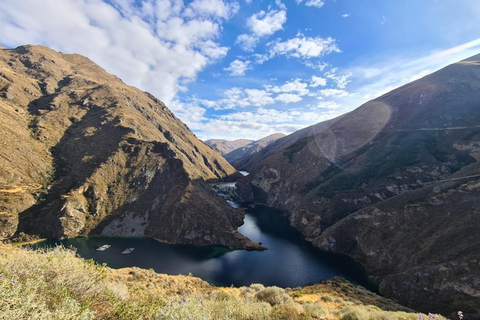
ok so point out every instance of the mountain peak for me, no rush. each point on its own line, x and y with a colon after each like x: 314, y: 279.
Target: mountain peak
x: 85, y: 153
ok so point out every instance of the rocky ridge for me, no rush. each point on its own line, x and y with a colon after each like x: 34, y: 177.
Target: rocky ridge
x: 344, y: 184
x: 83, y: 153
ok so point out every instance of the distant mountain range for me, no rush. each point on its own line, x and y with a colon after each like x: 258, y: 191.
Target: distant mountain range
x: 226, y: 146
x: 82, y: 153
x: 241, y: 149
x: 395, y: 184
x: 239, y: 158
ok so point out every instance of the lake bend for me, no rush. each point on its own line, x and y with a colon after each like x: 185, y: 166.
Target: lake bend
x: 290, y: 261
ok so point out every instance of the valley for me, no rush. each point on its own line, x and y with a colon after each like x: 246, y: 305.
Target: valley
x: 388, y: 192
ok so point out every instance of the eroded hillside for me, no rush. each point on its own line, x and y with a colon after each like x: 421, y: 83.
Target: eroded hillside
x: 84, y: 153
x: 420, y: 249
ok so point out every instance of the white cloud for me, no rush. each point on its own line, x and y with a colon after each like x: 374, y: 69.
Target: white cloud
x: 238, y: 67
x: 369, y: 80
x: 295, y: 85
x: 334, y: 93
x: 247, y: 42
x: 332, y: 105
x: 315, y: 3
x: 259, y: 98
x: 260, y: 58
x: 267, y: 23
x: 346, y: 15
x: 379, y: 76
x: 288, y: 98
x: 211, y: 8
x: 316, y: 66
x: 290, y: 92
x: 262, y: 24
x: 157, y: 46
x: 318, y: 81
x: 312, y: 3
x: 190, y: 113
x: 341, y: 80
x: 262, y: 122
x: 304, y: 47
x: 421, y: 74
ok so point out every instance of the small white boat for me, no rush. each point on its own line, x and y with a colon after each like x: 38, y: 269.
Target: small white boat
x: 104, y: 247
x: 128, y: 250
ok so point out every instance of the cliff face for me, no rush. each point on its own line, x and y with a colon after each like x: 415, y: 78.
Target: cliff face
x: 83, y: 153
x: 422, y: 246
x: 422, y: 133
x: 239, y: 158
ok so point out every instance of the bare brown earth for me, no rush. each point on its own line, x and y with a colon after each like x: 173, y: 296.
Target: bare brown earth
x: 226, y: 146
x: 376, y: 184
x: 83, y: 153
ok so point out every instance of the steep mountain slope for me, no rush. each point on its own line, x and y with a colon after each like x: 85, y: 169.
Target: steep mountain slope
x: 226, y: 146
x: 424, y: 132
x: 84, y: 153
x: 240, y: 156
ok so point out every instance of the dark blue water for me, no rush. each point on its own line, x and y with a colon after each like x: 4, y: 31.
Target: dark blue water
x: 290, y: 261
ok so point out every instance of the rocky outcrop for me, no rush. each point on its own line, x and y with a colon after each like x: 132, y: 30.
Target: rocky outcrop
x: 421, y: 246
x: 334, y: 178
x: 84, y: 153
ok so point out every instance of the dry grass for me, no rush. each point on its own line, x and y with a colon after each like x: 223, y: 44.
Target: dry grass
x: 57, y: 284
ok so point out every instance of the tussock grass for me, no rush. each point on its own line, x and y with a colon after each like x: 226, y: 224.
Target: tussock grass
x: 57, y: 284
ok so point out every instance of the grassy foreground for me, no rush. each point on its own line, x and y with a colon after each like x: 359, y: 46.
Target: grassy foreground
x: 57, y: 284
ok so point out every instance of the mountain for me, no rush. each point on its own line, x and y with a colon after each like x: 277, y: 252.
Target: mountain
x: 240, y: 156
x: 226, y: 146
x: 395, y: 184
x: 83, y: 153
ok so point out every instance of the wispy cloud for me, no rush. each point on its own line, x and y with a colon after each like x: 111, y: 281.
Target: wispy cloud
x: 303, y: 47
x: 261, y: 25
x: 238, y: 67
x: 312, y: 3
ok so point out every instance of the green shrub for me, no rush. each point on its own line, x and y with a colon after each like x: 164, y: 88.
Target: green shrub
x: 382, y: 316
x: 198, y: 308
x: 257, y: 286
x: 353, y: 313
x: 274, y: 296
x: 327, y: 298
x: 286, y: 312
x: 315, y: 310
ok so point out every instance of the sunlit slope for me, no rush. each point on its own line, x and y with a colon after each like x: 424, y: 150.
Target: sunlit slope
x: 84, y: 153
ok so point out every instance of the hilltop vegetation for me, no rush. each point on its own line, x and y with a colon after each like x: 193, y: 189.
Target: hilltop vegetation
x: 57, y: 284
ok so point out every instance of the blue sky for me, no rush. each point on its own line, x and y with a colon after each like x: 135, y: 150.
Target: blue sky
x: 247, y: 69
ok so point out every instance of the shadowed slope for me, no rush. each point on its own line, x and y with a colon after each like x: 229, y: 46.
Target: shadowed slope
x: 422, y: 133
